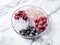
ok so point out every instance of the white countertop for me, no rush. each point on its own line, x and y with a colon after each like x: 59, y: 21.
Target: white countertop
x: 9, y: 37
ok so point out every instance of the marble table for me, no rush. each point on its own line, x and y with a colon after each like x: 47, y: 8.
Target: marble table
x: 9, y: 37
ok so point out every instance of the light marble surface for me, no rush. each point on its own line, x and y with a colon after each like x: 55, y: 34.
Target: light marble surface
x: 9, y: 37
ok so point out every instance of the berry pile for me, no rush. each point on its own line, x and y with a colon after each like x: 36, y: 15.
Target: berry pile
x: 21, y: 14
x: 41, y: 23
x: 29, y: 32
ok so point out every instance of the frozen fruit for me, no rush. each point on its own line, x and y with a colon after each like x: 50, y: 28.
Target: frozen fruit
x: 41, y: 30
x: 21, y: 14
x: 36, y: 24
x: 36, y: 20
x: 32, y: 31
x: 21, y: 11
x: 16, y: 17
x: 16, y: 13
x: 30, y: 34
x: 24, y: 14
x: 39, y: 26
x: 41, y: 23
x: 45, y: 25
x: 31, y: 27
x: 25, y: 18
x: 41, y: 18
x: 45, y: 18
x: 44, y: 21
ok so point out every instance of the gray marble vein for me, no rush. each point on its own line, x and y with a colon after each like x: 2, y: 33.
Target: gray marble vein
x: 10, y: 37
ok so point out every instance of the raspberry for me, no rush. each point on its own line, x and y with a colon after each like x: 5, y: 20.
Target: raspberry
x: 21, y: 14
x: 16, y: 17
x: 45, y: 25
x: 24, y: 14
x: 25, y: 18
x: 44, y: 21
x: 36, y: 24
x: 16, y: 13
x: 40, y: 22
x: 21, y: 11
x: 41, y: 18
x: 36, y: 20
x: 39, y: 27
x: 45, y: 18
x: 41, y: 30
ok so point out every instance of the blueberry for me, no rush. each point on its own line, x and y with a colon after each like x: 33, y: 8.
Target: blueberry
x: 25, y: 34
x: 30, y: 35
x: 31, y: 27
x: 36, y: 33
x: 21, y: 31
x: 34, y: 28
x: 30, y: 31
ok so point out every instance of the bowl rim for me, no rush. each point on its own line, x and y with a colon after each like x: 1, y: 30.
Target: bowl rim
x: 19, y: 33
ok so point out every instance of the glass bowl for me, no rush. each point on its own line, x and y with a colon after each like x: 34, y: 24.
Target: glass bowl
x: 29, y: 21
